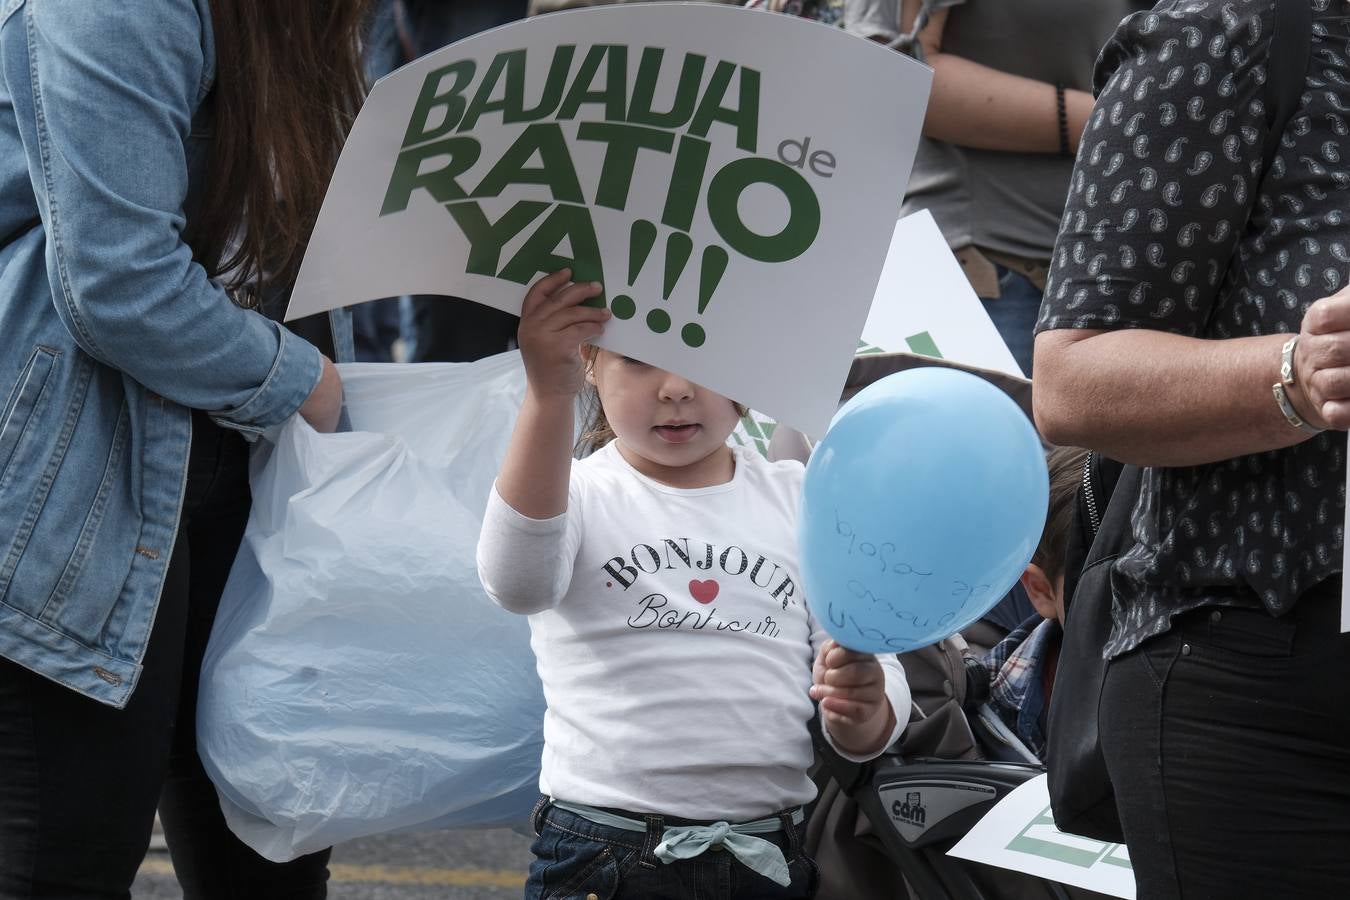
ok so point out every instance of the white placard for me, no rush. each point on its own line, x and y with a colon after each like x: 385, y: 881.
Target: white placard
x: 924, y: 303
x: 1020, y: 834
x: 732, y: 176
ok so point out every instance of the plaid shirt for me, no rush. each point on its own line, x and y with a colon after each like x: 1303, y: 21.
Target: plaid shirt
x: 1016, y: 685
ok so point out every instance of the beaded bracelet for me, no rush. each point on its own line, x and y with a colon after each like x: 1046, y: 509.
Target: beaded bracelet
x: 1062, y: 111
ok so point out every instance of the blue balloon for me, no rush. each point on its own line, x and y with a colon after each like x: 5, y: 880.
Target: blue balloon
x: 922, y: 505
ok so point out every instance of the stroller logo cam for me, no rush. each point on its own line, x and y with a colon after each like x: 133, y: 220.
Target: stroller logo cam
x: 910, y: 809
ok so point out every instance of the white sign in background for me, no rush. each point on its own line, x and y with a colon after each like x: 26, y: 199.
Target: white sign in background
x: 924, y: 303
x: 1020, y: 834
x: 738, y: 174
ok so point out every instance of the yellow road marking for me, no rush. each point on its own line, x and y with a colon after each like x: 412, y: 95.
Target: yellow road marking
x: 393, y: 875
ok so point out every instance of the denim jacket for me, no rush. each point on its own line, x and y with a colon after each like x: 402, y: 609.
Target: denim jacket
x: 109, y: 332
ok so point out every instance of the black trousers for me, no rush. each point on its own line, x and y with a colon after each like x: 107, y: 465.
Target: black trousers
x: 80, y: 781
x: 1228, y: 740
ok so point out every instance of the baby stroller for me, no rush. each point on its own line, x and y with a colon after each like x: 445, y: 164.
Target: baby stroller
x: 900, y: 813
x: 916, y: 804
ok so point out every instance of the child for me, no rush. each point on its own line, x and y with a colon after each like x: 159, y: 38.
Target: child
x: 672, y: 638
x: 1022, y: 665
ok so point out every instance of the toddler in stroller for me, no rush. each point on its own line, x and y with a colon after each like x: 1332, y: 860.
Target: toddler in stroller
x: 881, y: 830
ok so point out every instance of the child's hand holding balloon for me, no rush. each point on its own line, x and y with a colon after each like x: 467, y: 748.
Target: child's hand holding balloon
x: 851, y: 689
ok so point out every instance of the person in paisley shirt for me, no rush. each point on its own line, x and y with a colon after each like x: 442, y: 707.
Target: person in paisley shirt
x: 1196, y: 323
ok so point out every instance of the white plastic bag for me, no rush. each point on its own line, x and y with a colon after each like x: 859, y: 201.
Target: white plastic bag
x: 358, y: 680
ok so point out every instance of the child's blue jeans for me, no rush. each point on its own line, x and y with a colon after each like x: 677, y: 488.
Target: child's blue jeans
x: 577, y: 858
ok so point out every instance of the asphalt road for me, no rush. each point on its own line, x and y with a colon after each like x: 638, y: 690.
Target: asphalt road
x: 447, y: 865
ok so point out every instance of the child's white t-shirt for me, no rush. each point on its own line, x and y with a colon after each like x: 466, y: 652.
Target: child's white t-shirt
x: 672, y: 638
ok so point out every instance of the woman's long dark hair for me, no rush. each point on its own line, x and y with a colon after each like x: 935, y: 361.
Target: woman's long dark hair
x: 288, y: 85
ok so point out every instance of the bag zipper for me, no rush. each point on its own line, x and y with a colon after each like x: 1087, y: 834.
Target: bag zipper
x: 1089, y: 495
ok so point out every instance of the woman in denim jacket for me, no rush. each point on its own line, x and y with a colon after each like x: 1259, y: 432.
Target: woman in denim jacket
x: 145, y: 148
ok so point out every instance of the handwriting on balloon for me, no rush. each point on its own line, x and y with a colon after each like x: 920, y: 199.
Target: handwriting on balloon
x: 888, y: 585
x: 884, y: 553
x: 841, y: 620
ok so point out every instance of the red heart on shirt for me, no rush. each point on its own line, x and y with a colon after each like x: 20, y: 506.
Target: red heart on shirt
x: 703, y: 591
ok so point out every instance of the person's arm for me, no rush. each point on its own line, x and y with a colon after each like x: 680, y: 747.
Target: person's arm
x: 107, y: 101
x: 323, y: 408
x: 976, y: 106
x: 528, y: 542
x: 1152, y: 223
x: 1158, y: 399
x: 525, y: 565
x: 553, y: 324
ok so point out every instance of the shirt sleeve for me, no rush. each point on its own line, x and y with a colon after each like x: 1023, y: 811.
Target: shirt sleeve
x: 526, y: 564
x: 897, y: 692
x: 1167, y: 171
x: 112, y: 96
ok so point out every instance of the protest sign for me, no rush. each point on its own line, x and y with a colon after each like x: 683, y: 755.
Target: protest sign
x: 1019, y: 833
x: 924, y: 304
x: 732, y: 176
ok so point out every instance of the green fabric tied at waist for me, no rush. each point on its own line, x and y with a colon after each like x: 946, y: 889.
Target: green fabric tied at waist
x: 688, y: 841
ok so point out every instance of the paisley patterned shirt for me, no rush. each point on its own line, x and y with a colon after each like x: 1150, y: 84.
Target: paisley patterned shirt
x: 1172, y: 225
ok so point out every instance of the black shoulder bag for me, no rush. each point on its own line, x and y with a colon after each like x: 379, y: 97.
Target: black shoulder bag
x: 1081, y: 795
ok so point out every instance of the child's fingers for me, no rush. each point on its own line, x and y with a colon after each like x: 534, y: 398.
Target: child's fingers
x: 575, y: 294
x: 840, y: 655
x: 542, y: 289
x: 823, y: 652
x: 582, y: 332
x: 850, y: 711
x: 854, y: 674
x: 565, y: 319
x: 868, y: 694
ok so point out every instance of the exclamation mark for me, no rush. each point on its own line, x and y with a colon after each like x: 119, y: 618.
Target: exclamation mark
x: 678, y: 247
x: 641, y: 239
x: 711, y: 270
